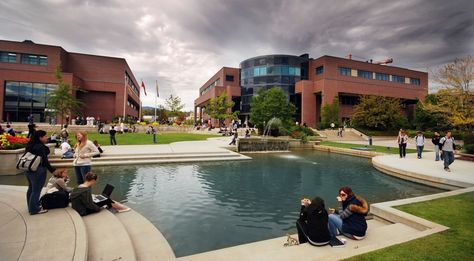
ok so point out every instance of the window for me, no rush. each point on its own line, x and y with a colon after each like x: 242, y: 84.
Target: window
x: 229, y: 78
x: 399, y: 79
x: 34, y: 59
x: 364, y: 74
x: 382, y: 76
x: 415, y: 81
x: 7, y: 57
x: 319, y: 70
x: 348, y: 100
x: 344, y: 71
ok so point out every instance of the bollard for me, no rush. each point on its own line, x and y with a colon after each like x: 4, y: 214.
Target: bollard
x: 370, y: 140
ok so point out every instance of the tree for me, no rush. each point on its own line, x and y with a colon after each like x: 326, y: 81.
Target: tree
x: 378, y: 112
x: 62, y: 100
x: 457, y: 96
x: 330, y: 113
x: 219, y: 108
x: 271, y: 103
x: 161, y: 113
x: 174, y: 105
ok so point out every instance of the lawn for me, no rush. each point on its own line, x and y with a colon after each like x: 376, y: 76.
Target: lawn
x: 382, y: 149
x: 457, y: 243
x: 142, y: 138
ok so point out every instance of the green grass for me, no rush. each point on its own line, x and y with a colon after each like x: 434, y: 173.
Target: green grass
x: 142, y: 138
x: 457, y: 243
x: 382, y: 149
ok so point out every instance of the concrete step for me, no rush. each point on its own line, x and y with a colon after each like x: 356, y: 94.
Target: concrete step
x: 151, y: 156
x: 108, y: 239
x: 147, y: 240
x: 378, y: 232
x: 36, y: 234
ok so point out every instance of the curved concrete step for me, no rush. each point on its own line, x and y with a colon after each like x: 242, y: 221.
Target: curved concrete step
x: 108, y: 239
x: 153, y: 161
x: 58, y: 225
x: 156, y: 156
x: 147, y: 240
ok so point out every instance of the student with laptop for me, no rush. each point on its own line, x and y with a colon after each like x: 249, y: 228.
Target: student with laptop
x: 85, y: 203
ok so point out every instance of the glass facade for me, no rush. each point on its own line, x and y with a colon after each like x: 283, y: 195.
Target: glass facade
x: 25, y: 98
x: 265, y: 72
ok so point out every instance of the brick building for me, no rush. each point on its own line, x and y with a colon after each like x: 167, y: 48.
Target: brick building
x: 314, y: 83
x: 27, y: 76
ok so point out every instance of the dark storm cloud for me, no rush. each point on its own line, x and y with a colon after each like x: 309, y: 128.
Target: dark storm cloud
x: 182, y: 43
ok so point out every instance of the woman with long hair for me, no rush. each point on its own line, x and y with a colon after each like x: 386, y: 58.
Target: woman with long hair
x: 36, y: 179
x: 351, y: 220
x: 84, y: 150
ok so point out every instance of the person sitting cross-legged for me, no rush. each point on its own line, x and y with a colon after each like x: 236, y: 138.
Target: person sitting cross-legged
x: 82, y: 202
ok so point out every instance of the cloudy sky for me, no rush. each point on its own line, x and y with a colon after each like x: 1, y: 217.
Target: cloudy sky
x: 182, y: 43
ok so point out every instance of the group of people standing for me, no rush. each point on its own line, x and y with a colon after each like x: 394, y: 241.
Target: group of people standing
x: 318, y: 225
x: 444, y: 147
x: 57, y: 191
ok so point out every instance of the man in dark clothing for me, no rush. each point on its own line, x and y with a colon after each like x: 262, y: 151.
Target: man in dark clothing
x: 31, y: 130
x: 435, y: 141
x: 234, y: 139
x: 313, y: 222
x: 112, y: 132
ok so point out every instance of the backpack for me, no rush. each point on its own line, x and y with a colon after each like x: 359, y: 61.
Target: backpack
x: 28, y: 162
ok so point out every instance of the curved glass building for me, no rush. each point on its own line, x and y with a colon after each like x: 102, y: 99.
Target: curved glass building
x: 265, y: 72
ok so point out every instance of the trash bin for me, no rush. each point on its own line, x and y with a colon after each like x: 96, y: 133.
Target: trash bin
x: 370, y: 140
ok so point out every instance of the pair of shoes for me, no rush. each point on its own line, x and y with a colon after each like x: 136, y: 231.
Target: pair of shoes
x: 123, y: 210
x: 41, y: 211
x: 447, y: 169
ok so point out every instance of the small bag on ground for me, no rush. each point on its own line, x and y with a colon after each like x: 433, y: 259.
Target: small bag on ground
x: 58, y: 199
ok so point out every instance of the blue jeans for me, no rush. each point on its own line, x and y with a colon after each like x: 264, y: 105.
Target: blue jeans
x: 419, y: 150
x: 335, y: 224
x: 36, y: 180
x: 436, y: 152
x: 81, y: 172
x: 68, y: 155
x: 448, y: 158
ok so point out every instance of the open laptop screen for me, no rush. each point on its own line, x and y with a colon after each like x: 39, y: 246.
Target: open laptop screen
x: 108, y: 190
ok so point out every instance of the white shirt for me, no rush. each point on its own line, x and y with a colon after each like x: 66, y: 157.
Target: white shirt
x: 420, y: 140
x: 65, y: 147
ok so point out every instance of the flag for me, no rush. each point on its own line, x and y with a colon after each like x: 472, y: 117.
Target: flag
x: 157, y: 90
x: 143, y: 86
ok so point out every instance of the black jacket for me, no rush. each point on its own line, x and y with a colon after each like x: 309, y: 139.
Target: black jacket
x: 42, y: 151
x: 354, y: 222
x: 316, y: 218
x: 81, y: 201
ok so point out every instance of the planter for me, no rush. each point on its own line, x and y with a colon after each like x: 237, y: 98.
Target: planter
x: 52, y: 147
x: 8, y: 159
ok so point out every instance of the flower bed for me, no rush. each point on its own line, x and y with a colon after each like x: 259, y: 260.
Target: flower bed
x: 9, y: 142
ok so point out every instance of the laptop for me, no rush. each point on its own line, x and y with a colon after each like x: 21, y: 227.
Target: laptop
x: 105, y: 194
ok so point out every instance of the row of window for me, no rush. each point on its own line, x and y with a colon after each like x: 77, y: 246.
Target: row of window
x: 378, y: 76
x: 229, y: 78
x: 271, y: 80
x: 9, y: 57
x: 130, y: 83
x: 210, y: 86
x: 270, y: 70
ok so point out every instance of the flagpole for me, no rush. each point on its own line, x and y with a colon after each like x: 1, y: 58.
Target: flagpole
x: 156, y: 97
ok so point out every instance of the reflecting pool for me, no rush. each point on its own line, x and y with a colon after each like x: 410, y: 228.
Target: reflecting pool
x: 210, y: 205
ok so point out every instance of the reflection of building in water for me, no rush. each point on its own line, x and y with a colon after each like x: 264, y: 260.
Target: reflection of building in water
x: 121, y: 177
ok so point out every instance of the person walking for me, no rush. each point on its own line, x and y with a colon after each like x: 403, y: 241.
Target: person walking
x: 234, y: 139
x: 351, y: 220
x: 402, y: 140
x: 83, y: 153
x: 447, y: 150
x: 37, y: 178
x: 312, y: 225
x: 420, y: 143
x: 435, y: 141
x: 112, y: 133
